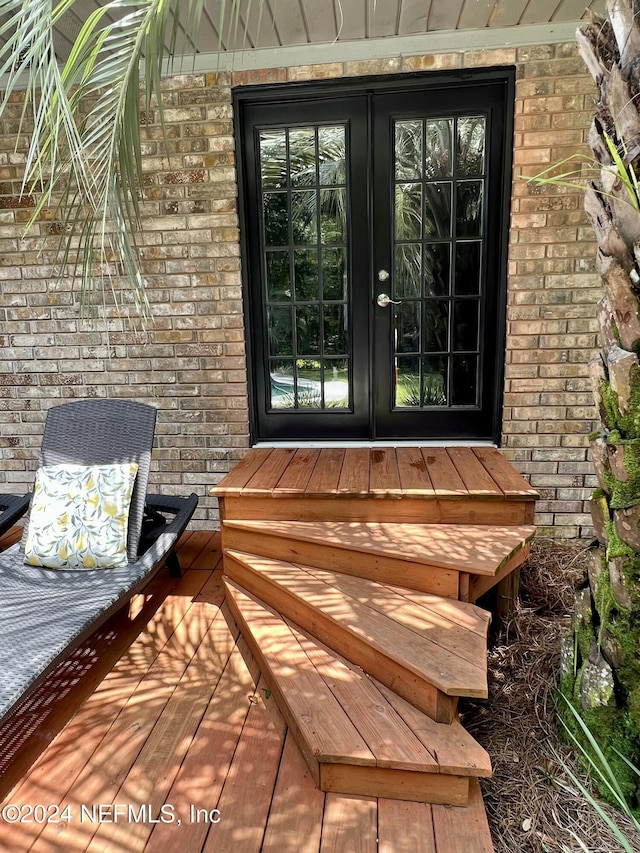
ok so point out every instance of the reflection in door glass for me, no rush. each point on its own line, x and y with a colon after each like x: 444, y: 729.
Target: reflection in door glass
x: 304, y: 246
x: 439, y: 211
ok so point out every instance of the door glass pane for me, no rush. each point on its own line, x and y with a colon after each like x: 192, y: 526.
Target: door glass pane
x: 408, y: 327
x: 335, y: 329
x: 438, y: 149
x: 438, y: 229
x: 273, y: 159
x: 332, y: 154
x: 434, y: 381
x: 305, y: 264
x: 334, y: 274
x: 407, y: 390
x: 408, y: 270
x: 437, y: 214
x: 437, y: 269
x: 278, y: 281
x: 302, y: 156
x: 333, y: 216
x: 308, y: 330
x: 408, y: 211
x: 336, y: 383
x: 408, y: 145
x: 304, y: 227
x: 470, y: 146
x: 282, y: 389
x: 436, y: 325
x: 467, y: 281
x: 304, y: 217
x: 469, y: 209
x: 466, y: 324
x: 464, y: 380
x: 308, y: 384
x: 280, y: 331
x: 276, y: 219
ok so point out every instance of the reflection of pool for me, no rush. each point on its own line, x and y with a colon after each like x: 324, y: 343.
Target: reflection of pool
x: 282, y: 390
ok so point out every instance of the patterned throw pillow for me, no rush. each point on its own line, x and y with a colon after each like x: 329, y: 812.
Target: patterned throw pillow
x: 79, y: 516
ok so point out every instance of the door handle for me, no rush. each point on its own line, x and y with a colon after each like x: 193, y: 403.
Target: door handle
x: 384, y: 300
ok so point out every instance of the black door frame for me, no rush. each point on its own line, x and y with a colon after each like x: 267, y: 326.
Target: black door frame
x: 277, y: 95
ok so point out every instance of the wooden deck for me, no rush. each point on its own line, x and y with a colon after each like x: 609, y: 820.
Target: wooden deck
x: 159, y: 735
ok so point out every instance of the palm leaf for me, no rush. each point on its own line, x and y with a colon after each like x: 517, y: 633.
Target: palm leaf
x: 88, y: 165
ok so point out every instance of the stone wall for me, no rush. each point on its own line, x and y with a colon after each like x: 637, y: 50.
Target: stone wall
x: 190, y: 361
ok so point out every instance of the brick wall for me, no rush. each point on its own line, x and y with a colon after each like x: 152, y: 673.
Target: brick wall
x: 190, y: 362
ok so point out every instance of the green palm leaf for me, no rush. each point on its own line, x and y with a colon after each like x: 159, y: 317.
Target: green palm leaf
x: 88, y: 164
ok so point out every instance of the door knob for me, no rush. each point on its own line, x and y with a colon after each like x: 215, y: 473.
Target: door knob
x: 383, y: 275
x: 384, y: 300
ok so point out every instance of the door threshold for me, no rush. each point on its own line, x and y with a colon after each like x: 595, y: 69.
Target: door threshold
x: 383, y: 443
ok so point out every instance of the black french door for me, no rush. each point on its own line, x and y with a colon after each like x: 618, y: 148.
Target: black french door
x: 374, y: 221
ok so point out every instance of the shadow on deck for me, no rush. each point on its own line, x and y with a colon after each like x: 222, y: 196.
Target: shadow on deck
x: 158, y: 734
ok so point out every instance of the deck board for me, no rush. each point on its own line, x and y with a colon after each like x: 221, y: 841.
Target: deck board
x: 299, y: 471
x: 472, y: 472
x: 443, y: 474
x: 426, y: 473
x: 354, y: 477
x: 326, y: 474
x: 414, y: 476
x: 279, y: 808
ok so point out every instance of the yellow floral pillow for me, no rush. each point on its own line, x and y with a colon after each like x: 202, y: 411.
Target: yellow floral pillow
x: 79, y: 516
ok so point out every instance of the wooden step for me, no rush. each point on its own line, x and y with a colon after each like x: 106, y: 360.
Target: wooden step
x: 428, y: 649
x: 426, y: 557
x: 356, y: 736
x: 430, y: 485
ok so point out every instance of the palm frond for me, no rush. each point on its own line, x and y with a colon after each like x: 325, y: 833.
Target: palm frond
x: 86, y: 160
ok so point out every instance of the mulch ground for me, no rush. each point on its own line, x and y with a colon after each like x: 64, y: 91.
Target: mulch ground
x: 532, y: 804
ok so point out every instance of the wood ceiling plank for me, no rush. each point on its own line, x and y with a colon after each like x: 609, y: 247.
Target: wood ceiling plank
x: 232, y: 26
x: 475, y: 14
x: 413, y: 16
x: 260, y: 26
x: 352, y: 18
x: 507, y: 13
x: 575, y: 10
x: 383, y: 19
x: 289, y: 21
x: 322, y: 24
x: 444, y: 14
x: 539, y: 10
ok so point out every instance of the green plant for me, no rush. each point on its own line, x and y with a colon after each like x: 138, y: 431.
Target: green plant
x: 595, y: 761
x: 590, y: 167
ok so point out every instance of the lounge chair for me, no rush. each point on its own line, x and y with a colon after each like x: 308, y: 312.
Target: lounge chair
x: 12, y: 508
x: 45, y: 613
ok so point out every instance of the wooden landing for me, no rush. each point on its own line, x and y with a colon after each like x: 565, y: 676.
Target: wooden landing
x: 437, y: 485
x: 356, y: 736
x: 164, y: 708
x: 429, y: 650
x: 423, y: 557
